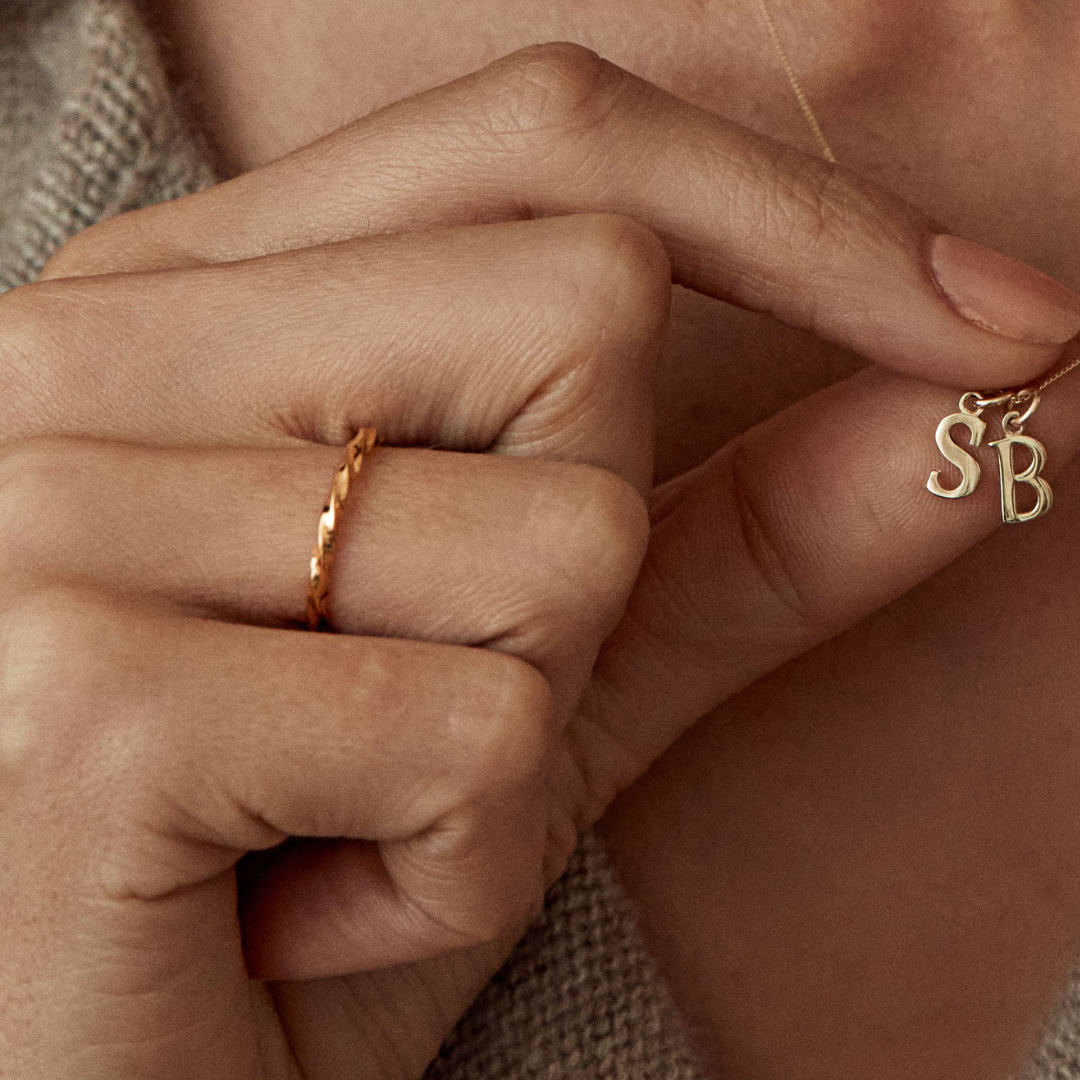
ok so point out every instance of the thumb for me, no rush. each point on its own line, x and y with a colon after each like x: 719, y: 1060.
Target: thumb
x: 785, y: 537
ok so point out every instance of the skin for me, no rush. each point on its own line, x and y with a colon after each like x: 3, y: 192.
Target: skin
x: 672, y: 886
x: 140, y: 652
x: 907, y: 97
x: 934, y: 940
x: 424, y: 890
x: 209, y: 398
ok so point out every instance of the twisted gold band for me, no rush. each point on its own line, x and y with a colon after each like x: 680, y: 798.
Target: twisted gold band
x: 322, y: 556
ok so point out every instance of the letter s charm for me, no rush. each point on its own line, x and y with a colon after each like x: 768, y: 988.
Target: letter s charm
x: 968, y: 466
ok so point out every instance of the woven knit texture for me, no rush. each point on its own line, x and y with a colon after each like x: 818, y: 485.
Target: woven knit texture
x: 579, y: 998
x: 88, y: 130
x: 1059, y: 1056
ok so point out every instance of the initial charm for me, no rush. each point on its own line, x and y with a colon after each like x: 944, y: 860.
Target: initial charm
x: 1012, y: 429
x: 1044, y: 497
x: 968, y: 466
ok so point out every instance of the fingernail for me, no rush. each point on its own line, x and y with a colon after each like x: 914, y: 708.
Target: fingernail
x: 1003, y: 295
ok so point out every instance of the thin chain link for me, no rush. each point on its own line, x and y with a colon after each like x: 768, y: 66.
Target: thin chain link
x: 1061, y: 372
x: 796, y: 86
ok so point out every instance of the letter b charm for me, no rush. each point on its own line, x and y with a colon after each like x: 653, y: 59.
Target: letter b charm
x: 1044, y: 497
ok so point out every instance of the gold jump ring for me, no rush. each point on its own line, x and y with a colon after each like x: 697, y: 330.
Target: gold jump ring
x: 322, y: 556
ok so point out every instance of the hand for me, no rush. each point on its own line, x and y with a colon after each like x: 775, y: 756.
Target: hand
x: 554, y: 129
x: 712, y: 254
x: 159, y: 720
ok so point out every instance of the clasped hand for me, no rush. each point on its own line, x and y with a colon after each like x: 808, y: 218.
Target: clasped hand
x: 484, y: 269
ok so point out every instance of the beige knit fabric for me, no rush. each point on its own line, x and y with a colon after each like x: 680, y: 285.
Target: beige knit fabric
x: 1059, y: 1056
x: 579, y: 999
x: 87, y: 130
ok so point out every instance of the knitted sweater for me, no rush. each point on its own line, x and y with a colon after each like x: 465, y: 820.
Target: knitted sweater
x: 88, y: 130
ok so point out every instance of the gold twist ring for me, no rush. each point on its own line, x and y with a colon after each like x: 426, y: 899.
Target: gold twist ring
x: 322, y: 556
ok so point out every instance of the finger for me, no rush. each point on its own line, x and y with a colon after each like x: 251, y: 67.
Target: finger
x: 785, y: 537
x: 532, y: 558
x: 531, y: 337
x: 555, y: 130
x: 198, y: 741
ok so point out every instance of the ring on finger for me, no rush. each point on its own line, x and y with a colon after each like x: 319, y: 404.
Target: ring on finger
x: 322, y: 555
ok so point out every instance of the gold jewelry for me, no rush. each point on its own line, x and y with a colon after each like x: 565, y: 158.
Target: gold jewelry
x: 322, y: 557
x: 1019, y: 404
x: 796, y: 87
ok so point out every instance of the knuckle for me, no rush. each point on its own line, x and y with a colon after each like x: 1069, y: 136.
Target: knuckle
x: 40, y: 495
x: 609, y: 294
x: 621, y: 277
x: 556, y: 86
x: 605, y: 299
x: 600, y: 531
x: 33, y: 355
x: 589, y: 531
x: 510, y: 730
x: 614, y: 282
x: 54, y: 681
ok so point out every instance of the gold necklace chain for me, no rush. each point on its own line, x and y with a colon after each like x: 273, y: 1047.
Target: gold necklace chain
x: 826, y: 151
x: 1072, y: 365
x: 796, y: 86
